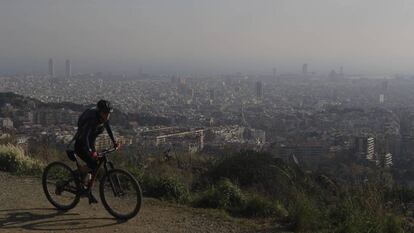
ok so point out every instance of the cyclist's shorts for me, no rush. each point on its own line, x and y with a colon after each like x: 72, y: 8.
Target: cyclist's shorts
x: 83, y: 153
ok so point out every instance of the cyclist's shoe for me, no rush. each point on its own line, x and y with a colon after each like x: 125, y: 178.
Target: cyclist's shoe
x: 84, y: 192
x: 59, y: 188
x: 92, y: 199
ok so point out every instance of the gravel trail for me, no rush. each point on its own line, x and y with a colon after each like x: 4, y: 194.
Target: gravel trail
x: 24, y: 208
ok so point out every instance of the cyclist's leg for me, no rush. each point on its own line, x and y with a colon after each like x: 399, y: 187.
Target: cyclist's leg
x: 92, y: 165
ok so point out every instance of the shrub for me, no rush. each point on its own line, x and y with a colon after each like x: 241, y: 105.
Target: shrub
x: 304, y: 215
x: 392, y: 224
x: 257, y: 206
x: 246, y: 168
x: 352, y: 220
x: 256, y: 170
x: 137, y: 173
x: 353, y: 217
x: 167, y: 188
x: 13, y: 159
x: 224, y: 195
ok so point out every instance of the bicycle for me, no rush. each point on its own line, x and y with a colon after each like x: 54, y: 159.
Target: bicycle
x: 118, y: 189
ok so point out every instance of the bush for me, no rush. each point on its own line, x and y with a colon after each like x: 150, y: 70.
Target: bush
x: 304, y: 215
x: 392, y: 224
x: 167, y: 188
x: 13, y: 159
x: 224, y: 195
x: 246, y: 168
x: 257, y: 206
x: 137, y: 173
x: 353, y: 217
x: 258, y: 171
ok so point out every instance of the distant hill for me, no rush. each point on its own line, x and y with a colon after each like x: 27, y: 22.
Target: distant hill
x: 117, y: 118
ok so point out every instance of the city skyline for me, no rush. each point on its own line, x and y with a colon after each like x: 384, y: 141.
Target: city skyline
x: 68, y: 70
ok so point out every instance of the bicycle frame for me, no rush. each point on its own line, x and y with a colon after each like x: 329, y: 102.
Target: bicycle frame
x: 102, y: 156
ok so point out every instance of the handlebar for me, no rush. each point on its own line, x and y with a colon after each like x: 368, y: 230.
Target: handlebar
x: 105, y: 152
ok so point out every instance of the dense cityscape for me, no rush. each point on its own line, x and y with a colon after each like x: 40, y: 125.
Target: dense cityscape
x: 304, y: 116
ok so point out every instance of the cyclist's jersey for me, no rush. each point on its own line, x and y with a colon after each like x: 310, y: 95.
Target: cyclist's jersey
x: 89, y: 128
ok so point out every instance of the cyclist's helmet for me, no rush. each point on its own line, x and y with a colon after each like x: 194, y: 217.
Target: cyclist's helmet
x: 104, y: 106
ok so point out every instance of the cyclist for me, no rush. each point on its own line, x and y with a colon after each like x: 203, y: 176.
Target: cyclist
x: 91, y: 124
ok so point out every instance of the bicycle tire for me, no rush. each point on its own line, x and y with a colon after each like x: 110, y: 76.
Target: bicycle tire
x: 136, y: 187
x: 49, y: 197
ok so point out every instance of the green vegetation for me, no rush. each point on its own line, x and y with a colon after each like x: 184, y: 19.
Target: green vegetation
x: 257, y: 206
x: 252, y: 184
x: 166, y: 188
x: 13, y: 159
x: 229, y: 197
x: 256, y: 185
x: 224, y: 195
x: 305, y: 215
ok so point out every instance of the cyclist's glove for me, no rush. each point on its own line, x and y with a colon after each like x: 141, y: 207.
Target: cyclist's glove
x: 93, y: 154
x: 117, y: 145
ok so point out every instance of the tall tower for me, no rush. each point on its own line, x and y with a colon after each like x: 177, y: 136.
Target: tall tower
x: 68, y: 71
x: 365, y: 147
x: 51, y: 68
x: 384, y: 87
x: 305, y: 69
x: 259, y: 90
x: 274, y: 73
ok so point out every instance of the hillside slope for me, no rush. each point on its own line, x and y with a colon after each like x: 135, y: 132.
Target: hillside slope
x: 24, y: 208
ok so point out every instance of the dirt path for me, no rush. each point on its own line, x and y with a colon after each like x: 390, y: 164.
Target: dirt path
x: 24, y: 208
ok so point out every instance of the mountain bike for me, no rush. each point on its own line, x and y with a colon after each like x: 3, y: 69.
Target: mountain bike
x: 119, y: 191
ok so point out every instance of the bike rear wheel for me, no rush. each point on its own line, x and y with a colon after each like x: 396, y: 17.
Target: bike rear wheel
x: 120, y: 194
x: 60, y: 186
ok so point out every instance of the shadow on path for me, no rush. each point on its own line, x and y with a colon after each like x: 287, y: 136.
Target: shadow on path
x: 72, y: 224
x: 14, y: 218
x: 45, y: 219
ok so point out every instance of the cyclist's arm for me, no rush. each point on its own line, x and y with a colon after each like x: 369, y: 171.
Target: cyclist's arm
x: 109, y: 130
x: 87, y: 132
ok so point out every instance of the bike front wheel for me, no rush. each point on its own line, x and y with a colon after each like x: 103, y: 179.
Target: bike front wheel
x: 120, y: 194
x: 60, y: 186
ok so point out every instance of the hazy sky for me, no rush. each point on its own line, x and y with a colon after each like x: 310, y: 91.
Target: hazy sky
x: 207, y: 36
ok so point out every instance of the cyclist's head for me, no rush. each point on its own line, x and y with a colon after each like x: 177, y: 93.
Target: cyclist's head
x: 104, y: 108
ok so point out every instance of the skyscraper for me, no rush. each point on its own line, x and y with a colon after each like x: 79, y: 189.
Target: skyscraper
x: 51, y: 68
x: 305, y: 69
x: 384, y: 87
x: 259, y: 90
x: 365, y: 147
x: 381, y: 98
x: 68, y: 72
